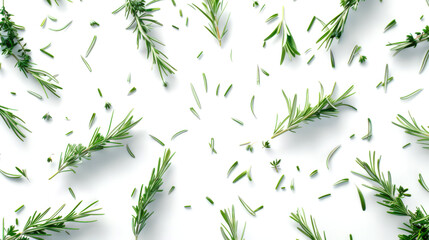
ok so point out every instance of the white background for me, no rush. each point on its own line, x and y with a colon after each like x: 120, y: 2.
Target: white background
x: 112, y: 174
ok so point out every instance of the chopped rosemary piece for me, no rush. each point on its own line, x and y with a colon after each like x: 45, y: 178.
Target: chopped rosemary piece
x: 311, y: 23
x: 344, y: 180
x: 424, y: 62
x: 390, y: 25
x: 406, y: 145
x: 238, y: 121
x: 324, y: 196
x: 412, y: 94
x: 132, y: 90
x: 276, y: 164
x: 178, y: 134
x: 313, y: 173
x: 200, y: 54
x: 205, y: 82
x: 69, y: 133
x: 369, y: 134
x: 60, y: 29
x: 107, y: 105
x: 362, y: 199
x: 227, y: 90
x: 171, y: 190
x: 210, y: 200
x: 187, y: 206
x: 310, y: 60
x: 72, y: 193
x: 91, y: 46
x: 252, y: 104
x: 240, y: 176
x: 194, y: 112
x: 280, y: 181
x: 233, y: 166
x: 157, y: 140
x: 197, y: 100
x: 217, y: 89
x: 265, y: 72
x: 94, y: 24
x: 35, y: 95
x: 333, y: 151
x: 332, y: 58
x: 211, y: 144
x: 422, y: 183
x: 47, y: 117
x: 19, y: 209
x: 248, y: 209
x: 91, y: 121
x: 130, y: 152
x: 86, y: 64
x: 99, y: 92
x: 355, y: 52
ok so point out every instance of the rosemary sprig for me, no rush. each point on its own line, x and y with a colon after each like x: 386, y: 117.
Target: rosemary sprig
x: 327, y: 106
x: 142, y: 20
x: 12, y: 45
x: 411, y: 127
x: 392, y: 198
x: 13, y: 122
x: 335, y: 27
x: 276, y: 164
x: 288, y: 43
x: 213, y: 11
x: 38, y: 227
x: 147, y: 194
x: 310, y: 232
x: 75, y: 153
x: 230, y: 231
x: 411, y: 41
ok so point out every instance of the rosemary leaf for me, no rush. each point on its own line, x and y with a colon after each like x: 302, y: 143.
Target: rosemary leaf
x: 178, y: 134
x: 328, y: 159
x: 412, y: 94
x: 157, y: 140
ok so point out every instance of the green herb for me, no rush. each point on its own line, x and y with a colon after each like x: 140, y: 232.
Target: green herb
x: 288, y: 43
x: 249, y: 148
x: 52, y: 18
x: 311, y: 23
x: 258, y: 75
x: 205, y: 82
x: 13, y: 122
x: 129, y: 78
x: 34, y: 94
x: 210, y: 200
x: 252, y: 103
x: 72, y: 193
x: 422, y: 183
x: 50, y: 3
x: 75, y: 153
x: 132, y: 90
x: 173, y: 2
x: 180, y: 13
x: 147, y: 194
x: 265, y: 72
x: 23, y: 172
x: 47, y: 117
x: 326, y: 107
x: 157, y: 140
x: 178, y: 134
x: 390, y: 25
x: 233, y: 166
x: 411, y: 41
x: 60, y: 29
x: 13, y: 93
x: 45, y: 52
x: 91, y: 46
x: 313, y: 173
x: 333, y: 151
x: 272, y: 17
x: 335, y: 27
x: 227, y: 90
x: 130, y: 152
x: 355, y: 52
x: 310, y: 60
x: 344, y: 180
x: 425, y: 60
x: 171, y: 189
x: 194, y: 112
x: 255, y: 4
x: 311, y: 232
x: 69, y: 133
x: 217, y: 89
x: 332, y: 59
x: 86, y: 64
x: 38, y: 227
x: 213, y: 11
x: 12, y: 45
x: 229, y: 230
x: 188, y: 206
x: 134, y: 191
x: 369, y: 134
x: 362, y: 59
x: 324, y: 196
x: 197, y: 100
x: 392, y: 198
x: 175, y: 27
x: 238, y: 121
x: 187, y: 20
x: 211, y: 144
x: 107, y: 105
x: 276, y: 164
x: 141, y: 14
x: 94, y: 24
x: 362, y: 199
x: 406, y: 145
x: 292, y: 185
x: 240, y: 176
x: 297, y: 168
x: 91, y: 121
x: 412, y: 94
x: 280, y: 181
x: 43, y: 22
x: 19, y: 209
x: 266, y: 144
x: 10, y: 175
x: 199, y: 55
x: 248, y: 209
x: 249, y: 175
